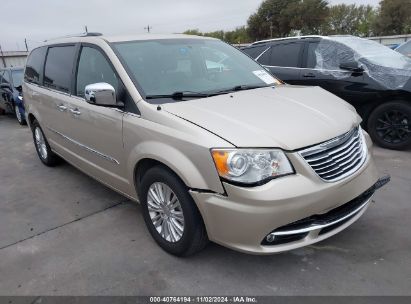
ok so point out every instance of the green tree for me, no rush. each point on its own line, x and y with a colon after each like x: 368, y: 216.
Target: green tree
x: 195, y: 32
x: 307, y: 16
x: 271, y: 19
x: 350, y: 20
x: 394, y: 17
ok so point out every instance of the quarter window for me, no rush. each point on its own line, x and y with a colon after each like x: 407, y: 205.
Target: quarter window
x: 93, y: 67
x: 58, y: 69
x: 34, y: 65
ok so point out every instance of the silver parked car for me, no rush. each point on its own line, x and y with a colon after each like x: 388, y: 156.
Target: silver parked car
x: 211, y: 145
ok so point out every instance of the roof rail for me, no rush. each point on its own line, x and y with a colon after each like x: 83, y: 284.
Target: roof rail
x: 88, y: 34
x: 286, y: 38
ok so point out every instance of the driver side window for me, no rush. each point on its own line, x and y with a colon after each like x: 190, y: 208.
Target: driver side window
x: 93, y: 67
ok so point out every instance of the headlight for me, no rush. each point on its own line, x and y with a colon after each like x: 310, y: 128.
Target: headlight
x: 20, y: 98
x: 251, y: 166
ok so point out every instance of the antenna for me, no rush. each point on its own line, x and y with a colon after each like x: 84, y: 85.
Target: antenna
x: 148, y: 28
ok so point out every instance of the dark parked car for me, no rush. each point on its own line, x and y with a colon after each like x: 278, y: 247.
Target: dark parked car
x: 373, y: 78
x: 405, y: 48
x: 11, y: 99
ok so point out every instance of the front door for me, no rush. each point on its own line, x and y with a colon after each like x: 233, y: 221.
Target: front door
x: 95, y: 132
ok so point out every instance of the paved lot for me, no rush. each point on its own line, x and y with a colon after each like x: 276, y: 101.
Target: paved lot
x: 62, y: 233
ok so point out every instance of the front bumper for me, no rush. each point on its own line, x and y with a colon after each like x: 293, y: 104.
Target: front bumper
x: 244, y: 218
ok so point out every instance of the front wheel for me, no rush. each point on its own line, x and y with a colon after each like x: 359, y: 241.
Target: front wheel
x: 170, y: 213
x: 47, y: 157
x: 19, y: 116
x: 389, y: 125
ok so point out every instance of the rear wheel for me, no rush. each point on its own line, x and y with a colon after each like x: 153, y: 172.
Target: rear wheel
x: 389, y: 125
x: 19, y: 116
x: 48, y: 157
x: 170, y: 213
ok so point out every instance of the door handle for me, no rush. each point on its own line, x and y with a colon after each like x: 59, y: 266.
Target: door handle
x: 309, y: 75
x: 75, y: 111
x: 62, y: 108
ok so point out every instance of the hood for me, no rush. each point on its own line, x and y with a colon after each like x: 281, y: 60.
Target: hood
x: 287, y: 117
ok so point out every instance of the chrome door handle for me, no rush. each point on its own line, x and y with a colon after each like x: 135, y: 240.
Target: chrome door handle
x: 75, y: 111
x: 62, y: 108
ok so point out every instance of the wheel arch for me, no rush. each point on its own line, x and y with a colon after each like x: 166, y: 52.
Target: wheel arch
x: 149, y: 154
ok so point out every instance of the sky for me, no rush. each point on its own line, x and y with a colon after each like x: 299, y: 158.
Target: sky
x: 43, y: 19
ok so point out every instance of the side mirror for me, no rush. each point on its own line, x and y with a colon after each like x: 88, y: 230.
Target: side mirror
x: 101, y: 94
x: 352, y: 66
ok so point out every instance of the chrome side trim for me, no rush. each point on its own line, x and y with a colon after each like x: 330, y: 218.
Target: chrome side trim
x: 102, y: 155
x: 319, y: 227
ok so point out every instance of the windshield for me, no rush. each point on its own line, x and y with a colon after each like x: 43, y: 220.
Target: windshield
x: 374, y: 52
x: 165, y: 66
x: 17, y: 76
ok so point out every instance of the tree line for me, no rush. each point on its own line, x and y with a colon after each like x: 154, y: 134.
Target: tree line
x: 283, y: 18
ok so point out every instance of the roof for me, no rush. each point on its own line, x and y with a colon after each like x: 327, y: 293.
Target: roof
x: 120, y: 38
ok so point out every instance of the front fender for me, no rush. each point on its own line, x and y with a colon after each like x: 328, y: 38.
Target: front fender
x: 196, y: 175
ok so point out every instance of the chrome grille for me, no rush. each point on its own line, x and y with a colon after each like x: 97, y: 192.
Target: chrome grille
x: 338, y: 157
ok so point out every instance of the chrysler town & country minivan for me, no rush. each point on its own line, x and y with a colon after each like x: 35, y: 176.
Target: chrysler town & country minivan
x: 211, y: 145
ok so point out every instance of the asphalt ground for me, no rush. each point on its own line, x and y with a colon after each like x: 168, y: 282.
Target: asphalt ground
x: 62, y: 233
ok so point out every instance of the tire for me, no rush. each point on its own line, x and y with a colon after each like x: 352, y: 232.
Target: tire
x: 389, y: 125
x: 19, y: 116
x: 47, y: 157
x: 194, y: 236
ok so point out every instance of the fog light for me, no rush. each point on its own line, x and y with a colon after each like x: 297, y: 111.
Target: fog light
x: 270, y: 238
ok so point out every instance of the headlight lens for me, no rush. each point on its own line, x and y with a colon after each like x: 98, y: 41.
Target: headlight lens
x: 20, y: 98
x: 251, y: 166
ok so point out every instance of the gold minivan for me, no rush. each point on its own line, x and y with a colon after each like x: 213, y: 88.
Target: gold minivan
x: 211, y: 145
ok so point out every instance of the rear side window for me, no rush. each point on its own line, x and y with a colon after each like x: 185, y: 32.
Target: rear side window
x: 58, y: 68
x: 311, y: 55
x: 285, y: 55
x: 34, y: 65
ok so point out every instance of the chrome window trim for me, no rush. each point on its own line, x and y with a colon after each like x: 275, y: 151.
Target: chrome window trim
x: 87, y: 148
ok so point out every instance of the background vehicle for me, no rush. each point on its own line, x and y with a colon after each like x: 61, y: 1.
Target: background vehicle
x: 370, y: 76
x: 405, y: 48
x: 11, y: 99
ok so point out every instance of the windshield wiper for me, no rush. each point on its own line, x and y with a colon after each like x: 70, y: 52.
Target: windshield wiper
x: 179, y: 95
x: 242, y: 87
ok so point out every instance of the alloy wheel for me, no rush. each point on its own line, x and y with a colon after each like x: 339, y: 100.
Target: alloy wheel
x: 18, y: 114
x: 393, y: 126
x: 165, y: 212
x: 40, y: 143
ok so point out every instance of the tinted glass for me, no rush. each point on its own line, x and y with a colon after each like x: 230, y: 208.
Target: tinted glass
x: 195, y: 65
x: 255, y: 51
x: 58, y: 68
x: 265, y: 58
x: 17, y: 76
x: 311, y: 56
x: 34, y: 65
x: 285, y: 55
x: 93, y: 68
